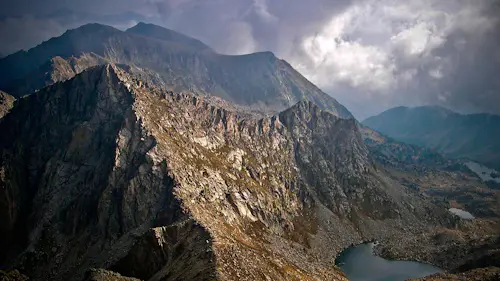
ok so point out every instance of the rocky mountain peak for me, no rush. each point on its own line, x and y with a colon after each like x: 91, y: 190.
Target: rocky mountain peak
x: 161, y: 33
x: 304, y: 109
x: 91, y: 28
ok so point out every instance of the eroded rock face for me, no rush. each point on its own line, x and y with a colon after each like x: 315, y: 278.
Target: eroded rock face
x: 6, y: 103
x: 160, y: 255
x: 102, y: 171
x: 68, y: 200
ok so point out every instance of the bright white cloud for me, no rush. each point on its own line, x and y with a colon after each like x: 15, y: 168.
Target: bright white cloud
x: 336, y: 58
x: 380, y: 49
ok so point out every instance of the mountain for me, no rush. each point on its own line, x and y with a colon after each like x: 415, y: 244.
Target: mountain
x: 433, y: 174
x: 185, y: 64
x: 449, y: 183
x: 474, y: 136
x: 102, y: 171
x: 164, y: 34
x: 143, y: 154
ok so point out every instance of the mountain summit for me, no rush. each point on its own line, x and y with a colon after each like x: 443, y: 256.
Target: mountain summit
x: 258, y: 80
x: 161, y: 33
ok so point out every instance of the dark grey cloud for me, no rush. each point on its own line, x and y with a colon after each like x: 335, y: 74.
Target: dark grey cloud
x: 10, y: 8
x: 369, y: 54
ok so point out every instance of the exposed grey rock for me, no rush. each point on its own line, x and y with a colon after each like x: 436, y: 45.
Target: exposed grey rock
x: 6, y: 103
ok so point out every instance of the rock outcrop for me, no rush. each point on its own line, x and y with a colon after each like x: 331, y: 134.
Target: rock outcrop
x: 6, y: 103
x: 102, y: 171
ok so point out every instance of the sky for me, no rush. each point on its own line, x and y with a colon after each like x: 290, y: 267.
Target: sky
x: 370, y: 55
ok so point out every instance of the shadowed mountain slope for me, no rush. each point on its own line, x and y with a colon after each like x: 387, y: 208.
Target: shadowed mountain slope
x: 259, y: 80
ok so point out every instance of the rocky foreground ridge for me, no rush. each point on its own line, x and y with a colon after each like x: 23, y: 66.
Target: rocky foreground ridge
x: 101, y: 171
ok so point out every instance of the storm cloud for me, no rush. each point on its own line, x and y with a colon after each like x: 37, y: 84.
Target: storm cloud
x: 369, y: 54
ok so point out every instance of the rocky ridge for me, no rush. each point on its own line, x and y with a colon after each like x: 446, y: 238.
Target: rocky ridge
x: 102, y: 171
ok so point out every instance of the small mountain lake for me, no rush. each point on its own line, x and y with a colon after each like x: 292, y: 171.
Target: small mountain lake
x: 483, y: 172
x: 461, y: 213
x: 359, y: 263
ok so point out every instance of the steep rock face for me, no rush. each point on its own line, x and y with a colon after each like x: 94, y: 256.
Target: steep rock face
x: 102, y: 171
x: 260, y: 80
x: 6, y: 103
x: 67, y: 200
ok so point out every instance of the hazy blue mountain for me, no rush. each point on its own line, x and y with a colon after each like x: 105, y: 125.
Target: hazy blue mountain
x: 474, y: 136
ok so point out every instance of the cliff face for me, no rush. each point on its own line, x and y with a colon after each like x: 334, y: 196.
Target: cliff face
x: 6, y: 103
x: 259, y: 80
x: 102, y: 171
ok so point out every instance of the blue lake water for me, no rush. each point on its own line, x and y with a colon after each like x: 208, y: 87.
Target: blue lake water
x: 461, y: 213
x: 360, y: 264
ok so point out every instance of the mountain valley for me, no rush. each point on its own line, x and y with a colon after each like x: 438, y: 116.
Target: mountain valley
x: 474, y: 136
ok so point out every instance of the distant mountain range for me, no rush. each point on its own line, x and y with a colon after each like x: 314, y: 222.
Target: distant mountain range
x: 6, y: 103
x: 474, y: 136
x: 259, y: 80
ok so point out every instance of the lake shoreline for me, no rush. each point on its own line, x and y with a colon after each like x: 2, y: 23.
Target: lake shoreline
x: 363, y: 256
x: 378, y: 245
